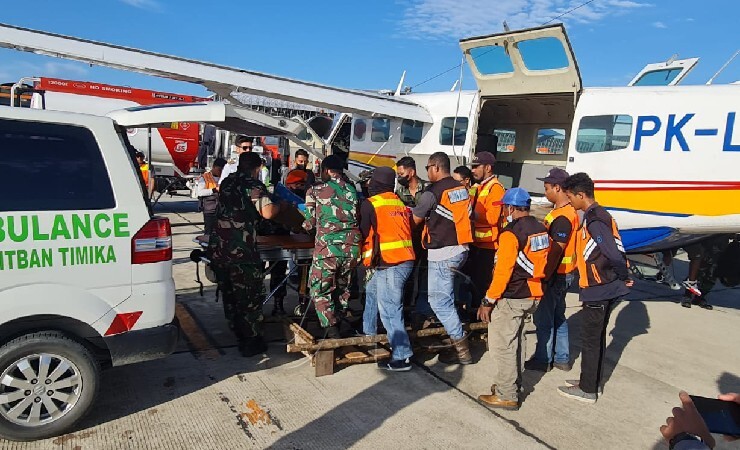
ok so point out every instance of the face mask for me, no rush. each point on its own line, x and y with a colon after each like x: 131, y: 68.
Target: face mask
x: 301, y: 167
x: 509, y: 218
x: 403, y: 181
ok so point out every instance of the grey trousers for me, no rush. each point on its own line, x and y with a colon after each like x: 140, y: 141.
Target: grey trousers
x: 507, y: 343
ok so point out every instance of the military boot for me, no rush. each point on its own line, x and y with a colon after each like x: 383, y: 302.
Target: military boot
x: 277, y: 307
x: 460, y: 354
x: 252, y: 346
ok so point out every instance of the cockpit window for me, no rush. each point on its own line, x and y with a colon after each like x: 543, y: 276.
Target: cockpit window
x: 662, y: 77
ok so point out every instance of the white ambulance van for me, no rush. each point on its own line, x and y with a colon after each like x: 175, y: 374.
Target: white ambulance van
x: 85, y: 269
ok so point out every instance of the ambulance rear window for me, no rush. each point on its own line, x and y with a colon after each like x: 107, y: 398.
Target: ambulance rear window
x: 52, y: 167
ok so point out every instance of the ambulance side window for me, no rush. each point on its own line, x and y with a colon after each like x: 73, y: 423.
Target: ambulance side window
x: 603, y: 133
x: 52, y: 167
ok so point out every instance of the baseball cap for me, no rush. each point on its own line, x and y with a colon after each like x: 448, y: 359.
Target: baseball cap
x: 556, y: 176
x: 517, y: 197
x: 483, y: 158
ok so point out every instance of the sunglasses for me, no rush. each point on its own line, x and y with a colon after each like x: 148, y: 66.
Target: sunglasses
x: 246, y: 147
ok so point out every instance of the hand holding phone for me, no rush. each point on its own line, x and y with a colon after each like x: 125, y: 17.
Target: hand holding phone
x: 686, y: 419
x: 721, y: 415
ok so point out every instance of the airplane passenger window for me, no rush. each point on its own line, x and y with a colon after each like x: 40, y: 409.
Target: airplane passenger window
x: 491, y: 60
x: 550, y: 141
x: 445, y: 132
x: 411, y: 131
x: 662, y: 77
x: 604, y: 133
x: 360, y: 129
x: 381, y: 130
x: 545, y: 53
x: 506, y: 140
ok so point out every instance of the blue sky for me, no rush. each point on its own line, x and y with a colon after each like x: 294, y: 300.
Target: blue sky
x: 366, y: 45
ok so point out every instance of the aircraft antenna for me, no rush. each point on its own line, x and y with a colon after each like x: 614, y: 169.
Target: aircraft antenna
x: 722, y: 68
x: 400, y: 84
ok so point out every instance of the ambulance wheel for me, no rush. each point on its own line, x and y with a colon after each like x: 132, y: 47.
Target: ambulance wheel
x: 48, y: 382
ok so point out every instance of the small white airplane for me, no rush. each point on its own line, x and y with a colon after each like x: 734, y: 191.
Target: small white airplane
x: 664, y: 157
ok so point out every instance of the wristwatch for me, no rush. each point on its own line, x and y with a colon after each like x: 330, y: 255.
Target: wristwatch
x: 683, y: 436
x: 486, y: 302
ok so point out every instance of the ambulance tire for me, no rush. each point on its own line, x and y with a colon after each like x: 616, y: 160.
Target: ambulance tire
x: 59, y: 349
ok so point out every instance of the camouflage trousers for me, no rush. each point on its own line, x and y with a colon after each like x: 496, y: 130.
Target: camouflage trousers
x: 243, y: 291
x: 710, y: 250
x: 329, y: 284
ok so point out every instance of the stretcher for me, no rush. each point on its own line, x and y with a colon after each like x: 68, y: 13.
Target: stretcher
x: 297, y: 248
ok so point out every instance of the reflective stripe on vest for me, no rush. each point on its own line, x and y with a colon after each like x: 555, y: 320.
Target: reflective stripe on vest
x: 393, y: 232
x: 484, y: 232
x: 593, y: 267
x: 567, y: 263
x: 449, y: 222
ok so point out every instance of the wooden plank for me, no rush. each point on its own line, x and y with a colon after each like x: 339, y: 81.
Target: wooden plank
x: 324, y: 360
x: 378, y: 339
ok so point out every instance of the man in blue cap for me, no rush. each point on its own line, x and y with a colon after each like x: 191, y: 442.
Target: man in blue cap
x: 514, y: 294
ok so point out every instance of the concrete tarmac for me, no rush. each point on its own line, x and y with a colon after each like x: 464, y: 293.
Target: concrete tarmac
x: 207, y: 396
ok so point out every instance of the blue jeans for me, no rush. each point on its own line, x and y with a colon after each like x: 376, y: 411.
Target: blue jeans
x: 384, y: 293
x: 550, y: 322
x: 441, y: 296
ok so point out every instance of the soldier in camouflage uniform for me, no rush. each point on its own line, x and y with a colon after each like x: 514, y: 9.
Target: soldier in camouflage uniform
x: 331, y: 211
x: 232, y: 249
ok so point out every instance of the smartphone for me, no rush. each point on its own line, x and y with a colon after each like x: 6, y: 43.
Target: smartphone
x: 720, y: 416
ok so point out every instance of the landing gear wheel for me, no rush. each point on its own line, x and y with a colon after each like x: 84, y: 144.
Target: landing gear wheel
x: 48, y: 382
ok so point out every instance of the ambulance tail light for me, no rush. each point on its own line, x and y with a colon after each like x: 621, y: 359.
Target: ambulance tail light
x: 153, y: 243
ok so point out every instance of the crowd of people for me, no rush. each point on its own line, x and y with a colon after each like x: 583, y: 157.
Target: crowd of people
x: 454, y: 249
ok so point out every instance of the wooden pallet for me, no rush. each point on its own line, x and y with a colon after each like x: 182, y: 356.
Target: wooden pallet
x: 327, y: 354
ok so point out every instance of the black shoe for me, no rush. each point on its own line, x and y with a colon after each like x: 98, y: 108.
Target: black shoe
x: 701, y: 303
x: 537, y: 365
x: 396, y: 365
x: 565, y: 367
x: 332, y: 332
x: 277, y: 307
x: 252, y: 346
x: 686, y: 303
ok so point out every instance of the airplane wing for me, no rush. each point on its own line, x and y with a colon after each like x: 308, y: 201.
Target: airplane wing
x: 220, y: 79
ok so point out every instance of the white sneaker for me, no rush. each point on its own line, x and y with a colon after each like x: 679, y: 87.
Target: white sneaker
x: 692, y: 287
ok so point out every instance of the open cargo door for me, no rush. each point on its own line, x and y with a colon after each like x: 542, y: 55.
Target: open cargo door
x: 668, y: 73
x: 532, y: 61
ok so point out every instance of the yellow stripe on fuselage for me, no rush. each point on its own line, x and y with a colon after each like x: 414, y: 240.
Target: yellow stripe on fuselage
x: 702, y: 202
x: 372, y: 159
